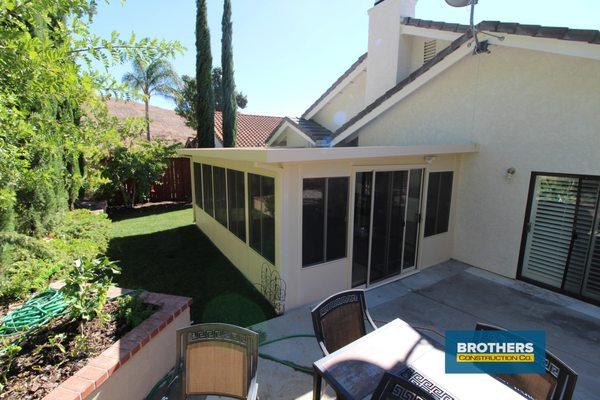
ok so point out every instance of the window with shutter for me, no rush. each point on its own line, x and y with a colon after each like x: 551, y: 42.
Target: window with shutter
x: 561, y: 242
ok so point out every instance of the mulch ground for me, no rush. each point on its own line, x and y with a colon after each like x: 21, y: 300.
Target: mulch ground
x: 41, y: 367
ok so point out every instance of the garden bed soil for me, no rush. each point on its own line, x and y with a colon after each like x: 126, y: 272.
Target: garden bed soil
x: 38, y: 370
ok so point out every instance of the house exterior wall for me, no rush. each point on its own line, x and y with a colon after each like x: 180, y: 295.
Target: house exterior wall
x: 530, y: 110
x: 246, y: 259
x: 344, y: 106
x: 313, y: 283
x: 310, y: 284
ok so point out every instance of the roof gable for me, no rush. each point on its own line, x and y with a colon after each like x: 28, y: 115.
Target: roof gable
x: 309, y: 130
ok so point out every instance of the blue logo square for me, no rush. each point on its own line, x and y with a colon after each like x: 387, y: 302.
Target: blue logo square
x: 495, y: 352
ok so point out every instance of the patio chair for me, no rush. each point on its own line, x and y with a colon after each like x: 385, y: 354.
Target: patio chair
x: 340, y: 319
x: 558, y: 383
x: 394, y: 387
x: 217, y: 359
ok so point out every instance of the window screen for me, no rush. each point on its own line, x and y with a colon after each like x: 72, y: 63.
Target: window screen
x: 439, y: 195
x: 207, y: 179
x: 324, y: 219
x: 261, y: 203
x: 220, y: 195
x: 198, y: 184
x: 236, y: 203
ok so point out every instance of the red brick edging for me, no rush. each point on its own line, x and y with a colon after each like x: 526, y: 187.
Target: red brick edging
x: 100, y: 368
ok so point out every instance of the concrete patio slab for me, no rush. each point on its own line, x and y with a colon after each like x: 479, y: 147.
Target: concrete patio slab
x: 451, y: 295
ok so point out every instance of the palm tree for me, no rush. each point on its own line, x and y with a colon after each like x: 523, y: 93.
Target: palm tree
x: 152, y: 77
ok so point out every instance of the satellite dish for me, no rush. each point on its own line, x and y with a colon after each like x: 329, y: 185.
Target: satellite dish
x: 460, y: 3
x: 472, y: 3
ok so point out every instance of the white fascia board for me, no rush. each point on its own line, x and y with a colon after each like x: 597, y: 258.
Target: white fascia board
x: 362, y: 67
x: 556, y: 46
x: 430, y: 33
x: 295, y: 155
x: 287, y: 124
x: 276, y: 134
x: 434, y: 71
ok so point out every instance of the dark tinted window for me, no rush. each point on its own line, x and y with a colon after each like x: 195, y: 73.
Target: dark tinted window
x: 208, y: 189
x: 198, y: 184
x: 337, y: 217
x: 313, y: 221
x: 236, y: 204
x: 324, y: 219
x: 362, y: 224
x: 261, y: 193
x: 220, y: 194
x: 439, y: 196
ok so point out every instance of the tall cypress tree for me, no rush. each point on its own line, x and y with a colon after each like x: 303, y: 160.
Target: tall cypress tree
x: 228, y: 84
x: 205, y: 102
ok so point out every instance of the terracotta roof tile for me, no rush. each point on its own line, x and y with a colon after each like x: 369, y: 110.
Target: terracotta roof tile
x: 252, y: 130
x: 562, y: 33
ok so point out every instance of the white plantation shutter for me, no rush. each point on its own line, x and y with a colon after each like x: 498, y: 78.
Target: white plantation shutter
x: 582, y: 239
x: 550, y: 229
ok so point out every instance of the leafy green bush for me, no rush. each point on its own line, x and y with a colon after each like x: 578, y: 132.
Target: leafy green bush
x: 132, y: 170
x: 86, y: 288
x: 27, y: 264
x: 132, y: 311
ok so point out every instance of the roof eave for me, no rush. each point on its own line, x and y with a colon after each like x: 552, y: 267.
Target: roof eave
x: 320, y: 154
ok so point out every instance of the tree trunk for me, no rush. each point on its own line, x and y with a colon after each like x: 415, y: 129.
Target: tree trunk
x: 146, y: 103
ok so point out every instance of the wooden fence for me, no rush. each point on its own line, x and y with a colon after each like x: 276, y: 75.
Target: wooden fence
x: 176, y: 184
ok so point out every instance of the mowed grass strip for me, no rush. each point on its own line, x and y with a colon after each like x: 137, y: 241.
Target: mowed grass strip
x: 165, y: 252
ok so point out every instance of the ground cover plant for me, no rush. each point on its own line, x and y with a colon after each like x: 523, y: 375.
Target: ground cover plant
x: 35, y: 361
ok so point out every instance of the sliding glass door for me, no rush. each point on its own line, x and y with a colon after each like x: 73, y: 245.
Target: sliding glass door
x: 561, y: 241
x: 386, y: 219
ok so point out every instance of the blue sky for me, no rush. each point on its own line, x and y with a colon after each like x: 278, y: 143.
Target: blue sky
x: 287, y: 52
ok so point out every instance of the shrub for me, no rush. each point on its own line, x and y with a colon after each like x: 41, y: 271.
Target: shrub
x: 28, y: 264
x: 133, y: 170
x: 86, y: 288
x: 132, y: 311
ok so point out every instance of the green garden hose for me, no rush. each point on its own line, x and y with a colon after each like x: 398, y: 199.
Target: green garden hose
x: 37, y: 311
x: 294, y: 366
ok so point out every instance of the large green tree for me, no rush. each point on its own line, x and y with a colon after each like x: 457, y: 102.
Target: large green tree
x: 228, y: 83
x: 186, y: 98
x: 205, y: 99
x: 152, y: 77
x: 51, y: 125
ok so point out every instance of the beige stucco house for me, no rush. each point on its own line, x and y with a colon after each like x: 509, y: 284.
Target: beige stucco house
x: 422, y: 151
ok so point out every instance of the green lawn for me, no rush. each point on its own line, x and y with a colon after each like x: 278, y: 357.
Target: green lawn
x: 166, y: 253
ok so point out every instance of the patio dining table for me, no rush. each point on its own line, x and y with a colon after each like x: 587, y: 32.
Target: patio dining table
x: 354, y: 371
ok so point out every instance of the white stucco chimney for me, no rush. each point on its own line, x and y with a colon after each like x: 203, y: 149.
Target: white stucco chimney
x: 389, y: 51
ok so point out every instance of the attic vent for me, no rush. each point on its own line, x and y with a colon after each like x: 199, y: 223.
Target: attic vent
x: 429, y: 50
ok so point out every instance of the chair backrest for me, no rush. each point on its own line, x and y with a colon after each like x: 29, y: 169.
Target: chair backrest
x: 217, y: 359
x: 393, y: 387
x: 558, y: 383
x: 340, y: 320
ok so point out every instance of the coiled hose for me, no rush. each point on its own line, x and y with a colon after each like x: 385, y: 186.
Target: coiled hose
x: 37, y: 311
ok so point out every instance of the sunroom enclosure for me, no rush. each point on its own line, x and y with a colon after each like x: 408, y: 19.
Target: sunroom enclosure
x: 301, y: 224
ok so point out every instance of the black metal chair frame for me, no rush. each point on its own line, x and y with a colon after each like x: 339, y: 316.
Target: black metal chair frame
x: 211, y: 332
x: 566, y: 378
x: 333, y: 302
x: 398, y: 387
